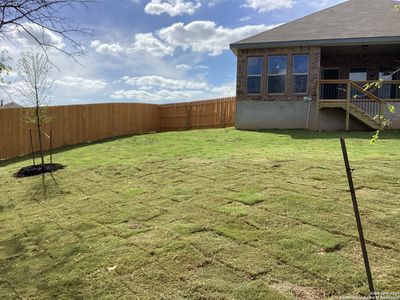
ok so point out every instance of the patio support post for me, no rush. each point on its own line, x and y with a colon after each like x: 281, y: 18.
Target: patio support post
x: 348, y: 106
x: 317, y: 105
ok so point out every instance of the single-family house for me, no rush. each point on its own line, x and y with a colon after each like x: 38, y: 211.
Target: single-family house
x: 11, y: 104
x: 312, y: 72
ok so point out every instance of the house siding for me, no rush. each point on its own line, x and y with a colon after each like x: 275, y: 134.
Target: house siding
x: 313, y: 76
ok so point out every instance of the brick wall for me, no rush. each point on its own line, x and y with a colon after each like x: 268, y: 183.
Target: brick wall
x: 313, y: 76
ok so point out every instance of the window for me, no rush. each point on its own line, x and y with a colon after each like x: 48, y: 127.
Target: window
x: 277, y: 69
x: 254, y: 71
x: 300, y: 73
x: 388, y: 91
x: 358, y: 74
x: 387, y: 74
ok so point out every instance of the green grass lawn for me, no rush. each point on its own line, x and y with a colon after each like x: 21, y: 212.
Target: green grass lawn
x: 207, y: 214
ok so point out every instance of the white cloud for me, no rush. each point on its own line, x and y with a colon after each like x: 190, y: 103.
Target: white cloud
x: 320, y: 4
x: 104, y: 48
x: 143, y: 42
x: 156, y: 96
x: 160, y: 89
x: 185, y: 67
x: 268, y: 5
x: 224, y: 90
x: 43, y: 35
x: 149, y: 43
x: 165, y: 95
x: 172, y: 7
x: 146, y: 42
x: 75, y: 86
x: 200, y: 67
x: 155, y: 81
x: 92, y: 85
x: 206, y: 36
x: 212, y: 3
x: 10, y: 91
x: 197, y: 36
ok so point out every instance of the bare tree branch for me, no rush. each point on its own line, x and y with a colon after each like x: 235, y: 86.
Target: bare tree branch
x: 37, y: 17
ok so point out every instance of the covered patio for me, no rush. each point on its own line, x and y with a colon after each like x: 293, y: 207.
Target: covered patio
x: 362, y: 79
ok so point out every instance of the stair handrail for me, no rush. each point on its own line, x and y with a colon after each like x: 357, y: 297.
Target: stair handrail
x: 365, y: 92
x: 371, y: 96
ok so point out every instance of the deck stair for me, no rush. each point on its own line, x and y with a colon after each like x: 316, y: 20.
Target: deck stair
x: 358, y: 103
x: 354, y: 111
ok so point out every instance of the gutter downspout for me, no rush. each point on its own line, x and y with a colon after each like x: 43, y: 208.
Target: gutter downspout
x: 309, y: 100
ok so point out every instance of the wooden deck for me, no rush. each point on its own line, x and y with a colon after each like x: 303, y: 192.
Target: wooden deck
x: 358, y: 99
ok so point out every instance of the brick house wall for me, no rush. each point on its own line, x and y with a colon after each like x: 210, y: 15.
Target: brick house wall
x: 314, y: 73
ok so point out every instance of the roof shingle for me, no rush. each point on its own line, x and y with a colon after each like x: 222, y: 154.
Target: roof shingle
x: 352, y: 22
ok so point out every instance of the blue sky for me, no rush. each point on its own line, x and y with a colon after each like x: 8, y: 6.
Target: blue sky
x: 159, y: 51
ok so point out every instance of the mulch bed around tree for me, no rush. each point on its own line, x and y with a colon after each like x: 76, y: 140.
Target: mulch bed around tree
x: 37, y: 170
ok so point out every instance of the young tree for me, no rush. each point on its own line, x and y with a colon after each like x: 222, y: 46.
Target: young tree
x: 34, y: 70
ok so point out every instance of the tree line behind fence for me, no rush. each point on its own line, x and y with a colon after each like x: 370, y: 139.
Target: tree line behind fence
x: 76, y: 124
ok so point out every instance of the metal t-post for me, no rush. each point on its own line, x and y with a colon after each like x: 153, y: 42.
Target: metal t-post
x: 358, y: 219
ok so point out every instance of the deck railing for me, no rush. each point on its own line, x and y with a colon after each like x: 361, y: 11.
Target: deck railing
x: 386, y: 90
x: 347, y: 93
x: 336, y: 89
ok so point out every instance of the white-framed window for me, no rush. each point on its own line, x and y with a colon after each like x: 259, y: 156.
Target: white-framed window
x: 388, y: 91
x: 277, y: 70
x: 301, y: 65
x: 254, y: 74
x: 358, y: 74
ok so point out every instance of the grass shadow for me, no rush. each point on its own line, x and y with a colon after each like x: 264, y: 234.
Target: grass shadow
x: 43, y: 190
x: 6, y: 162
x: 307, y: 135
x: 27, y: 255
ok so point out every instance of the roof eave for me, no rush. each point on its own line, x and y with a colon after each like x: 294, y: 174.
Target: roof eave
x: 323, y: 42
x: 234, y: 50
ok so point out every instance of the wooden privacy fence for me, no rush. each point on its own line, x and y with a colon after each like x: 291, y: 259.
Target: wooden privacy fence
x: 215, y: 113
x: 76, y: 124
